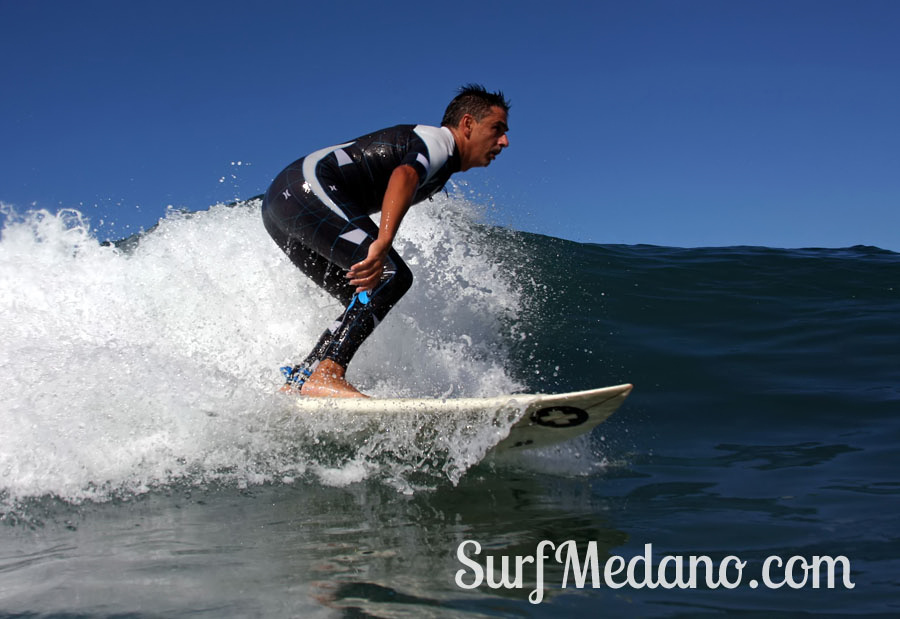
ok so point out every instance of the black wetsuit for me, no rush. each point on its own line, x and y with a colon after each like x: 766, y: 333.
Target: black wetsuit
x: 317, y: 210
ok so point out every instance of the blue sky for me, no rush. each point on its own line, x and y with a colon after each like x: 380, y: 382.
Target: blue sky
x: 684, y: 123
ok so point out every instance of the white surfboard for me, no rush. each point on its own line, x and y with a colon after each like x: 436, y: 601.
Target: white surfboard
x: 542, y: 420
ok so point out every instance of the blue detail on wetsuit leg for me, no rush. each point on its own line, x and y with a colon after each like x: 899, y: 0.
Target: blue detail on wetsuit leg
x: 296, y: 375
x: 363, y: 298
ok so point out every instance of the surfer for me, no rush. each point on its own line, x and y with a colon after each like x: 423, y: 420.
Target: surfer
x: 317, y: 211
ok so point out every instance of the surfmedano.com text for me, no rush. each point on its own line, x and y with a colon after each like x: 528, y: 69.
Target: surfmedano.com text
x: 669, y: 572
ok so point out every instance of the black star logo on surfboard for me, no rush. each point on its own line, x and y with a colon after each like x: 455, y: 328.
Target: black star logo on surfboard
x: 559, y: 417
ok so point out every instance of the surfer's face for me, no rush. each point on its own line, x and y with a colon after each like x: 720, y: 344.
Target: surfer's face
x: 487, y: 137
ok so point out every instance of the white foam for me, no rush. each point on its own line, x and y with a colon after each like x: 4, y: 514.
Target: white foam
x: 122, y: 371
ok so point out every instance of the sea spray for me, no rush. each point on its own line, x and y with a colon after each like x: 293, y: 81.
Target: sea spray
x: 133, y: 367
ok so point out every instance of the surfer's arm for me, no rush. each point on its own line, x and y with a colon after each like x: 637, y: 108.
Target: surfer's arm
x: 397, y: 199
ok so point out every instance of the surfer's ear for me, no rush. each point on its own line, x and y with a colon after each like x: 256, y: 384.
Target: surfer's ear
x: 466, y: 124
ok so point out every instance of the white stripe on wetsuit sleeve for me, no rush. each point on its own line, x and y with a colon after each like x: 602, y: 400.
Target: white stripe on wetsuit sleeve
x: 440, y: 144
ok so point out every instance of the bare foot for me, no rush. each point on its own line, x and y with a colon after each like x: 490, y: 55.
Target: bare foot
x: 328, y: 382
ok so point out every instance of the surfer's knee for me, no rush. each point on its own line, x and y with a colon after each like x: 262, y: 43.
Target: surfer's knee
x: 401, y: 280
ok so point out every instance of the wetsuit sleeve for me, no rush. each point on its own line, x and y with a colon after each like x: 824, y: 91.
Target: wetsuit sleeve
x: 417, y: 157
x: 430, y: 148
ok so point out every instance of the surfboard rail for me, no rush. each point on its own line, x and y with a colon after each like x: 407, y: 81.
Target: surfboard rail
x: 542, y: 419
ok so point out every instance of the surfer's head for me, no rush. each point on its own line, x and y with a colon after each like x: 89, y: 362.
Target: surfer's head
x: 475, y: 100
x: 478, y: 120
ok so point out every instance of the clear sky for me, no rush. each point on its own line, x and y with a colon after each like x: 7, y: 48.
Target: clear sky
x: 684, y: 123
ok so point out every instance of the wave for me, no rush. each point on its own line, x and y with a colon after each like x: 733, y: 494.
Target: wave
x: 151, y: 362
x: 133, y: 365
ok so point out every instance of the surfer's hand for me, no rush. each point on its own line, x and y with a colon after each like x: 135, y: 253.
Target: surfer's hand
x: 367, y: 273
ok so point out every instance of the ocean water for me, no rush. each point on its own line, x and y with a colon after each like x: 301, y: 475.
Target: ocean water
x: 148, y: 468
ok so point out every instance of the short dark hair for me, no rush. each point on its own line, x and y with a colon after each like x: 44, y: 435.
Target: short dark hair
x: 473, y: 99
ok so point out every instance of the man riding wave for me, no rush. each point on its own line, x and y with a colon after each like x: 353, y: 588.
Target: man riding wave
x: 317, y: 211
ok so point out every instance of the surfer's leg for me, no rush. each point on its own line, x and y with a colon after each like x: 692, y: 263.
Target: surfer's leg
x: 324, y: 246
x: 322, y: 372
